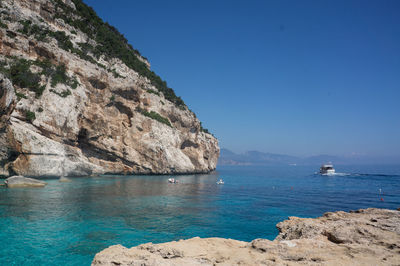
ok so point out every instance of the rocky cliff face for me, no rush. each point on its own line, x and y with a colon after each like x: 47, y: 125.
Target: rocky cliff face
x: 77, y: 99
x: 363, y: 237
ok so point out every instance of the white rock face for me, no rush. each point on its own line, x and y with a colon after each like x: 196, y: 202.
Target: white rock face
x: 114, y: 121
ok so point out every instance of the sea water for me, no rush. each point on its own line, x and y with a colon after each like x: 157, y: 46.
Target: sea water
x: 68, y: 223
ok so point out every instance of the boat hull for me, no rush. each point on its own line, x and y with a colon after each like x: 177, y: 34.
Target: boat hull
x: 327, y: 172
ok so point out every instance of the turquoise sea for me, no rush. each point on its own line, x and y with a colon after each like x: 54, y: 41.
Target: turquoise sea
x: 68, y: 223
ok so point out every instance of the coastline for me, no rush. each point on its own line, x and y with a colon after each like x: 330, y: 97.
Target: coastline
x: 363, y: 237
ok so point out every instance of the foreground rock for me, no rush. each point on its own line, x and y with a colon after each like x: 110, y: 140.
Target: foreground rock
x: 76, y: 103
x: 20, y: 181
x: 364, y: 237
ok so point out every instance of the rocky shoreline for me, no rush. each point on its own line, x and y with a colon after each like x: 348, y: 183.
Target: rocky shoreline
x: 363, y: 237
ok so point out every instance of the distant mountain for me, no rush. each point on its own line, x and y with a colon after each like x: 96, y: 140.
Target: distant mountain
x: 323, y: 158
x: 228, y: 157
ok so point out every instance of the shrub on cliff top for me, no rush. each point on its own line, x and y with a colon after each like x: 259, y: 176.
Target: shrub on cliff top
x: 111, y: 43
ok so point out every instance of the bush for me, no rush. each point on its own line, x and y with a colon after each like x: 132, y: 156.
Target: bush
x: 46, y: 66
x: 205, y: 130
x: 60, y: 76
x: 4, y: 26
x: 20, y: 95
x: 39, y: 91
x: 153, y: 92
x: 21, y: 75
x: 11, y: 34
x: 155, y: 116
x: 73, y: 83
x: 62, y: 39
x: 30, y: 116
x: 115, y: 74
x: 63, y: 94
x: 202, y: 129
x: 26, y: 24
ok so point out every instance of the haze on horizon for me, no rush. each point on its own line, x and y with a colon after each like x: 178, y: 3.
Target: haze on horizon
x: 290, y: 77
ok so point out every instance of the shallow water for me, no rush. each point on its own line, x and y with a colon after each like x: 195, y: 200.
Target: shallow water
x: 68, y: 223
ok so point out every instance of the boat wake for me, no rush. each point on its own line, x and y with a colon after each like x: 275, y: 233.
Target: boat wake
x: 383, y: 175
x: 357, y: 174
x: 341, y: 174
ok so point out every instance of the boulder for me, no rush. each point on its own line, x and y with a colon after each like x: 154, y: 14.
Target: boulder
x: 64, y: 179
x: 21, y: 181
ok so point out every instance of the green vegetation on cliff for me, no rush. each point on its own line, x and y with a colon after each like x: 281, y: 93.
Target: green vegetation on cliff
x: 59, y: 75
x: 2, y: 25
x: 111, y: 43
x: 30, y: 116
x: 155, y: 116
x: 20, y: 73
x: 22, y: 76
x: 63, y: 94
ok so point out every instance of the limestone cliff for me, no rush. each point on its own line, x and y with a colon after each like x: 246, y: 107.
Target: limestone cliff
x: 363, y: 237
x: 77, y: 99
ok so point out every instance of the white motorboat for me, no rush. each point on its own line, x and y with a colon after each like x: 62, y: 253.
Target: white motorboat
x: 172, y: 180
x: 220, y: 182
x: 327, y: 169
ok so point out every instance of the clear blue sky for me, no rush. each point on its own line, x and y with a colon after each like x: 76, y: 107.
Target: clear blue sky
x: 294, y: 77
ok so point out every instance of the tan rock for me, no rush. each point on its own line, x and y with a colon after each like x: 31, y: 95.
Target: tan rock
x: 364, y: 237
x: 20, y: 181
x: 64, y: 179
